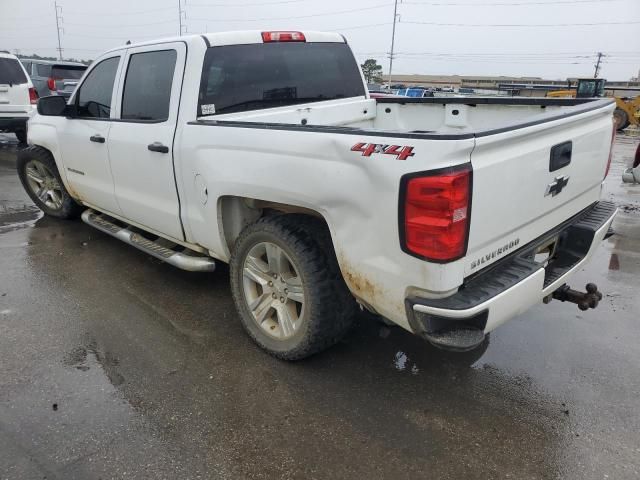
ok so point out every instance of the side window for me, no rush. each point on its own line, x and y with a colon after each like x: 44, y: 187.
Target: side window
x: 43, y: 70
x: 147, y: 86
x: 94, y: 96
x: 27, y: 67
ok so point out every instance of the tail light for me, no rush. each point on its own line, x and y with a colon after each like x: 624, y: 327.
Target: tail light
x: 436, y: 214
x: 268, y: 37
x: 613, y: 139
x: 51, y: 83
x: 33, y: 96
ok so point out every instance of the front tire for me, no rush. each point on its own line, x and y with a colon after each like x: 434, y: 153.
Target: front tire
x: 40, y: 178
x: 287, y: 286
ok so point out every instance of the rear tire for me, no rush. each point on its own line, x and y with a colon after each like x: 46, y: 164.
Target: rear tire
x: 40, y: 178
x: 318, y: 308
x: 621, y: 118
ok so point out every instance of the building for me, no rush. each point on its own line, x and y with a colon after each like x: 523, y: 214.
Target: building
x: 530, y: 86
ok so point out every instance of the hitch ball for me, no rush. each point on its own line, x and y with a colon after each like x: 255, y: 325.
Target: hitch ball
x: 584, y: 300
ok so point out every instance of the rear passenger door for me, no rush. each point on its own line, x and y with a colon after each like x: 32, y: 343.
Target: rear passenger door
x: 141, y: 137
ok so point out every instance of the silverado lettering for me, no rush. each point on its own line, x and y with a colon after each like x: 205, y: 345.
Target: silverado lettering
x: 496, y: 253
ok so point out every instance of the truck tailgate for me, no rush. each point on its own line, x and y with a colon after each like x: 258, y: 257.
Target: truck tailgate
x: 528, y: 180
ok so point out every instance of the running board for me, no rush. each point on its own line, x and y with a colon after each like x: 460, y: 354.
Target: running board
x: 192, y: 263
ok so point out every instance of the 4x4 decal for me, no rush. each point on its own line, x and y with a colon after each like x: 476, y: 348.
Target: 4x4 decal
x: 401, y: 152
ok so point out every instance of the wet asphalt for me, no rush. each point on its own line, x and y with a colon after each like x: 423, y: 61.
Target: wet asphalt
x: 114, y: 365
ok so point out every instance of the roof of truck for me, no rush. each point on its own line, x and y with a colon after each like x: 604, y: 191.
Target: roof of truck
x: 255, y: 36
x: 238, y: 37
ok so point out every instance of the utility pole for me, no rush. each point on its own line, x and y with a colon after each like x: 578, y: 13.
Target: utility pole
x: 59, y: 22
x: 393, y: 41
x: 597, y: 65
x: 180, y: 15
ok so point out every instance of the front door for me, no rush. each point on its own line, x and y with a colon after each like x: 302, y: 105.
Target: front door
x: 141, y: 139
x: 83, y: 139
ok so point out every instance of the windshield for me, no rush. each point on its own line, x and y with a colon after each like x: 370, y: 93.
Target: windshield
x: 11, y: 72
x: 237, y: 78
x: 67, y: 72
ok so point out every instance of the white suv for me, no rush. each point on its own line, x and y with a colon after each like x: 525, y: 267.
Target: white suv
x: 17, y: 96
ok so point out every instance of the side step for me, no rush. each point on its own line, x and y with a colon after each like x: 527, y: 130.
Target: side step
x: 180, y: 259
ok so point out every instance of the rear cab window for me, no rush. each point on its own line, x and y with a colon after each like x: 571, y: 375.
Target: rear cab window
x: 237, y: 78
x: 11, y: 72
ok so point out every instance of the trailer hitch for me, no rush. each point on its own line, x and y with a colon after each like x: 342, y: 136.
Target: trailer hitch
x: 584, y: 300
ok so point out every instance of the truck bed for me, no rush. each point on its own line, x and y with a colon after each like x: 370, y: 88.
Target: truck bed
x: 452, y: 117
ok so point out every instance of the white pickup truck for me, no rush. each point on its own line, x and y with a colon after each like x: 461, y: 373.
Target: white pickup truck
x: 445, y: 216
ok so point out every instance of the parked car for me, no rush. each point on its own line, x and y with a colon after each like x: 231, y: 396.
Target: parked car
x: 54, y: 78
x: 632, y: 174
x: 264, y: 150
x: 17, y: 96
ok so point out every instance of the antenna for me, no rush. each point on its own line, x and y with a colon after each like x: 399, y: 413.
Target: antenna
x: 393, y: 41
x: 59, y: 22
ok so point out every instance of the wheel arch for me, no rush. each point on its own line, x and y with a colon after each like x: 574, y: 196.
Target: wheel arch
x: 52, y: 149
x: 235, y: 213
x: 44, y: 134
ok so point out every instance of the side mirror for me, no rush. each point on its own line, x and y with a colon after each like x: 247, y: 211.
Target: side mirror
x: 52, y: 106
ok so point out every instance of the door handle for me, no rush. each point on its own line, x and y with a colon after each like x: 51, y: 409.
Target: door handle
x: 158, y: 147
x: 97, y: 138
x: 560, y: 156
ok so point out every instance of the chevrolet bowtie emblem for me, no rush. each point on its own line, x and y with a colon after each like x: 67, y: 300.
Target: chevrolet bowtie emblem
x: 557, y: 185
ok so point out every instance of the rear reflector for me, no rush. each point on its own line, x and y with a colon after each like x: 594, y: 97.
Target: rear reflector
x: 436, y: 211
x: 283, y: 37
x: 33, y: 96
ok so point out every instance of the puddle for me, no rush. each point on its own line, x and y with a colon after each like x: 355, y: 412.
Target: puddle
x: 85, y: 358
x: 16, y: 218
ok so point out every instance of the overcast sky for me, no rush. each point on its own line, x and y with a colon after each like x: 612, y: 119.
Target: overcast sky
x: 465, y: 37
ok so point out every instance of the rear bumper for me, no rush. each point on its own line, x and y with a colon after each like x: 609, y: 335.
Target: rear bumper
x: 513, y: 285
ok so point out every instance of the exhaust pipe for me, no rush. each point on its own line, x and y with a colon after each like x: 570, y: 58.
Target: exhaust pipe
x: 584, y: 300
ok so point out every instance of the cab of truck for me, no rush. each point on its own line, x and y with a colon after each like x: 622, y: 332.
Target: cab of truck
x: 590, y: 87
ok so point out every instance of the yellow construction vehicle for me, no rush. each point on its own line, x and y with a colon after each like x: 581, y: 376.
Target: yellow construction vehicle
x: 627, y: 110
